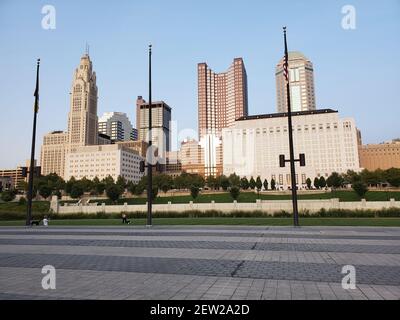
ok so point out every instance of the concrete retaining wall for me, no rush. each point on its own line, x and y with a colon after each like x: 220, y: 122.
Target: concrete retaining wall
x: 265, y: 205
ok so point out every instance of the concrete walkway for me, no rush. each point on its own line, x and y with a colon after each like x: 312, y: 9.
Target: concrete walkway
x: 210, y: 262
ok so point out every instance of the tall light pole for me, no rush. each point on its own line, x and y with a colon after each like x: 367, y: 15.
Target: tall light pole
x: 32, y: 164
x: 149, y: 156
x: 290, y: 129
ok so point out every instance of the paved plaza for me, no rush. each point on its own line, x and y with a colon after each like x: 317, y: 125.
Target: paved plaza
x: 210, y: 262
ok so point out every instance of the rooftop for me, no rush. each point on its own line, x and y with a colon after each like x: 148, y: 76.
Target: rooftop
x: 284, y: 114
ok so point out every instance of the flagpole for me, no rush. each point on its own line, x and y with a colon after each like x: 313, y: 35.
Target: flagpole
x: 32, y: 164
x: 291, y: 148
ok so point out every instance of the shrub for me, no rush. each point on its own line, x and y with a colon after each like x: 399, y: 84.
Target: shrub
x: 234, y: 192
x: 76, y: 191
x: 45, y: 191
x: 8, y: 196
x: 360, y: 188
x: 194, y: 192
x: 114, y: 191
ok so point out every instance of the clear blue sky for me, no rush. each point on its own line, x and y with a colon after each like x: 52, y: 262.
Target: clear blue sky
x: 356, y: 71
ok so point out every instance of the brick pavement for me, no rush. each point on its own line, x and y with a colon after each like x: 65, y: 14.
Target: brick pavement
x: 212, y: 262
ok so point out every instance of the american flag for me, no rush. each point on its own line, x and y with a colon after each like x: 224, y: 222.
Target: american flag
x: 285, y: 69
x: 36, y: 93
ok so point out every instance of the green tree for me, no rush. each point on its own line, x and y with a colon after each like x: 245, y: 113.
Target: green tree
x: 371, y: 178
x: 244, y: 183
x: 108, y: 180
x: 234, y: 180
x: 114, y: 192
x: 316, y: 183
x: 139, y: 189
x: 194, y: 192
x: 197, y: 180
x: 322, y: 182
x: 165, y: 187
x: 131, y: 187
x: 68, y: 186
x: 76, y: 191
x: 234, y: 192
x: 351, y: 176
x: 100, y: 187
x: 273, y: 184
x: 308, y: 182
x: 95, y: 184
x: 392, y: 176
x: 252, y: 183
x: 360, y: 188
x: 154, y: 194
x: 335, y: 180
x: 54, y: 181
x: 86, y: 184
x: 265, y: 184
x: 8, y: 195
x: 45, y: 191
x: 258, y: 184
x: 210, y: 182
x: 57, y: 193
x: 225, y: 184
x: 121, y: 182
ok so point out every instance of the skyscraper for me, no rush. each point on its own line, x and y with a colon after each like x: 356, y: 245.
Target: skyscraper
x: 117, y: 126
x: 161, y: 121
x: 82, y: 118
x: 301, y: 82
x: 222, y: 98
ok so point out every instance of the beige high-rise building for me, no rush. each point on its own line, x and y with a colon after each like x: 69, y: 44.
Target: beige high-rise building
x: 52, y: 155
x: 222, y: 98
x: 191, y: 156
x: 301, y: 84
x: 82, y: 121
x: 82, y: 118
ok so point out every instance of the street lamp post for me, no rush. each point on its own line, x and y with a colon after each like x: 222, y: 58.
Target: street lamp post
x: 32, y: 164
x: 149, y: 156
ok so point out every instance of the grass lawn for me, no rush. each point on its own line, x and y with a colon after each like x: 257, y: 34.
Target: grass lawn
x: 381, y: 222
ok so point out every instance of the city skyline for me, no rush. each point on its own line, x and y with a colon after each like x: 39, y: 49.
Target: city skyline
x: 361, y: 89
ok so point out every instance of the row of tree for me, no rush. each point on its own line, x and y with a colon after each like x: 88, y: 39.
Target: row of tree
x: 52, y: 184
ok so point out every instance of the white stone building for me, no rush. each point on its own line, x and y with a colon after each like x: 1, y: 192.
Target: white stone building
x: 116, y: 125
x: 251, y: 147
x: 103, y: 160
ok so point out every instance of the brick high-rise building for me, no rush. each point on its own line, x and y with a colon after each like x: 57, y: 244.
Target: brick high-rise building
x: 301, y: 83
x: 380, y: 156
x: 222, y: 98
